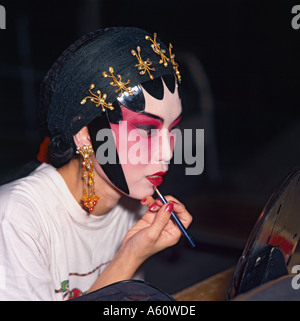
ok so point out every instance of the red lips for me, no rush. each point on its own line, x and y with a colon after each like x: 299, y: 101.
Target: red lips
x: 159, y: 173
x: 156, y: 178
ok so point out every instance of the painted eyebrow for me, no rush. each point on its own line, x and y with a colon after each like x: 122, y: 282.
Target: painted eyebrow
x: 152, y: 116
x: 179, y: 116
x: 159, y: 118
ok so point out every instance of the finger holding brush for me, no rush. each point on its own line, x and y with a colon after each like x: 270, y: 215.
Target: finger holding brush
x: 182, y: 218
x: 155, y: 204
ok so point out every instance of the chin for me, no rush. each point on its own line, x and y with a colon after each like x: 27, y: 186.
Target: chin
x: 139, y: 192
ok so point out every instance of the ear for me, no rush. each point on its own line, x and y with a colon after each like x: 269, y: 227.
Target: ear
x: 82, y: 138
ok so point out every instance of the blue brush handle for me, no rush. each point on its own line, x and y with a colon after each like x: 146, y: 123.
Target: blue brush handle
x: 178, y: 222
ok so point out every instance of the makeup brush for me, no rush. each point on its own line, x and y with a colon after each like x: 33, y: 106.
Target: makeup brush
x: 176, y: 219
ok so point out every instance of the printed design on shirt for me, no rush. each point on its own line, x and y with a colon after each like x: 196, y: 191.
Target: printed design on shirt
x: 74, y: 293
x: 65, y: 290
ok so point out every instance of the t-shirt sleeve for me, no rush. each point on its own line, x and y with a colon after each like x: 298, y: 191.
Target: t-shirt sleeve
x: 24, y: 268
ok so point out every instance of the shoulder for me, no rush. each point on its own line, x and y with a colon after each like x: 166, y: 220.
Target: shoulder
x: 25, y: 196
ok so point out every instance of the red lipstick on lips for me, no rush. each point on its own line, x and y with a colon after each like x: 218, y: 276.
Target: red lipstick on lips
x: 156, y: 179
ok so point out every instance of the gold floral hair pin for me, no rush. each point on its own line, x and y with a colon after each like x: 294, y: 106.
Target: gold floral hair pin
x: 117, y: 82
x: 142, y: 65
x: 164, y: 59
x: 174, y: 63
x: 156, y: 48
x: 97, y: 99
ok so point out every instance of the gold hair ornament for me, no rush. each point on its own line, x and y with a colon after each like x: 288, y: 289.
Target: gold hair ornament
x: 89, y: 198
x: 97, y: 99
x: 143, y: 65
x: 156, y: 48
x: 174, y: 63
x: 117, y: 82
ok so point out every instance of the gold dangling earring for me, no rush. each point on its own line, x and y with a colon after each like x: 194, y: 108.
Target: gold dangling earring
x: 89, y: 197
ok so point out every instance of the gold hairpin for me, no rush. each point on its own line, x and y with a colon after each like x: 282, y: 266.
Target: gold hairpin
x: 97, y: 99
x: 117, y: 82
x: 156, y: 48
x: 143, y: 65
x: 174, y: 63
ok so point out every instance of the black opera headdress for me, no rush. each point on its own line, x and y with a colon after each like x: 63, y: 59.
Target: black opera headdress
x: 102, y: 67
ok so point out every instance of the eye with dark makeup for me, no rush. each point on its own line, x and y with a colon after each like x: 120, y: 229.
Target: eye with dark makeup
x: 176, y: 123
x: 146, y: 130
x: 149, y: 130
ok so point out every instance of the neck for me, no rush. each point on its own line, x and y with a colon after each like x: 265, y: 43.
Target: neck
x: 108, y: 195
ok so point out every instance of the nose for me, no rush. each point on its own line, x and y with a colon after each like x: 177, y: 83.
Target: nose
x: 165, y: 146
x: 166, y: 149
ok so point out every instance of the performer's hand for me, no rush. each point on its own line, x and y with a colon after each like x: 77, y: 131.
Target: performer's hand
x: 155, y: 231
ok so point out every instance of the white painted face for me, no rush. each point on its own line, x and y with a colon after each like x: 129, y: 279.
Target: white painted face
x: 145, y: 142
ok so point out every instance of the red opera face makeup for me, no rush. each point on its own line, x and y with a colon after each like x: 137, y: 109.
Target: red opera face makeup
x: 145, y: 142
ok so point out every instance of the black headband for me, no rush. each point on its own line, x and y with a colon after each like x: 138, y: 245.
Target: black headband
x: 96, y: 74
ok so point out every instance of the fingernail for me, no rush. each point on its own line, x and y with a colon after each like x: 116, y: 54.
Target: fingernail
x: 158, y: 200
x: 169, y: 208
x: 152, y: 207
x: 173, y: 202
x: 143, y: 200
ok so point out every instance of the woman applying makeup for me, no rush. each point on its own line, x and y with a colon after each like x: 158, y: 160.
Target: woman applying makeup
x: 73, y: 225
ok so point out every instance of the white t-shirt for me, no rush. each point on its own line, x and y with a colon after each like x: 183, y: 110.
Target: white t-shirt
x: 50, y: 248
